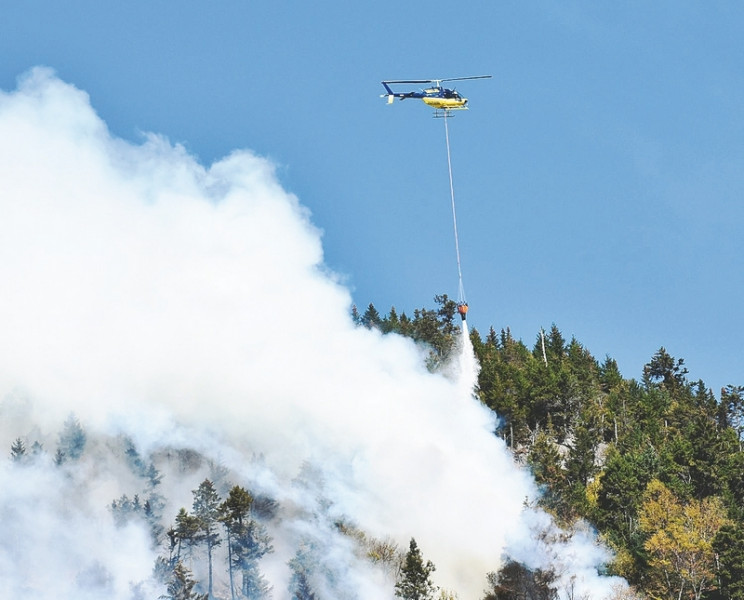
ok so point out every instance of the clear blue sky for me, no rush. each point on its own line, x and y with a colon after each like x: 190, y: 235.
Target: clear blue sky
x: 598, y: 175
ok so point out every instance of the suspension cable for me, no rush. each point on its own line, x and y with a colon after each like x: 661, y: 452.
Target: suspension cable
x: 461, y: 291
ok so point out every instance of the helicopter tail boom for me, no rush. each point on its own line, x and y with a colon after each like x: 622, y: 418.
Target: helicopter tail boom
x: 391, y: 95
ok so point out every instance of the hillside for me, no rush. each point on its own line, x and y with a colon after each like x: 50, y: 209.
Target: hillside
x: 654, y: 463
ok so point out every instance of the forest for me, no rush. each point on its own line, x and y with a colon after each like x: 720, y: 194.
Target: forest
x: 654, y: 465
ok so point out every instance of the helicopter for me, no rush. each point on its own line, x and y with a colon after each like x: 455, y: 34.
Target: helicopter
x: 436, y: 96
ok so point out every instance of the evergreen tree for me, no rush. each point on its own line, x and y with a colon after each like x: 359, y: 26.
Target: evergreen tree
x: 415, y: 577
x: 618, y: 501
x: 729, y: 548
x: 391, y: 322
x: 247, y: 542
x: 545, y: 461
x: 436, y: 329
x: 609, y: 375
x: 124, y: 509
x: 18, y: 451
x: 514, y: 581
x: 446, y: 313
x: 301, y: 566
x: 185, y: 534
x: 665, y: 371
x: 355, y: 316
x: 206, y: 511
x: 732, y: 403
x: 371, y: 317
x: 181, y: 585
x: 152, y: 511
x: 72, y: 441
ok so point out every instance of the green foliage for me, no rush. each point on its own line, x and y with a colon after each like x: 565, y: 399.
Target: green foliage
x: 415, y: 577
x: 603, y: 448
x: 732, y: 403
x: 181, y: 585
x: 729, y: 548
x: 248, y: 542
x: 664, y: 371
x: 371, y: 318
x: 595, y: 440
x: 514, y: 581
x: 206, y: 512
x: 435, y: 329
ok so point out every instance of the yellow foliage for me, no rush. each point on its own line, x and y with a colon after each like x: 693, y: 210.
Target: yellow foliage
x: 592, y: 491
x: 680, y: 541
x: 622, y: 563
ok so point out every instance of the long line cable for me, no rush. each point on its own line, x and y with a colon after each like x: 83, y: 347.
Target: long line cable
x: 461, y: 291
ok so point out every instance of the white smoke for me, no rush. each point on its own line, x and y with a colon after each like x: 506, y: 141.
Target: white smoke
x: 188, y: 306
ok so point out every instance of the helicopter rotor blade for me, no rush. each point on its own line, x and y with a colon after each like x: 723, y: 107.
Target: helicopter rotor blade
x: 466, y: 78
x: 410, y: 81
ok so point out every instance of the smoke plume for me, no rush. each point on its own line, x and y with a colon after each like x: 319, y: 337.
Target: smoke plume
x: 165, y: 305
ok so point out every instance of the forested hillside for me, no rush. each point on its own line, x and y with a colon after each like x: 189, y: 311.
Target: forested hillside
x: 655, y: 463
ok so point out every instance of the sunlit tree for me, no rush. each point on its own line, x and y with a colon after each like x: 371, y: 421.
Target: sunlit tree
x: 247, y: 542
x: 185, y: 534
x: 415, y: 577
x: 680, y: 542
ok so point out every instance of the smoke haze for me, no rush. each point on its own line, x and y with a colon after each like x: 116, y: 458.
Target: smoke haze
x: 176, y: 305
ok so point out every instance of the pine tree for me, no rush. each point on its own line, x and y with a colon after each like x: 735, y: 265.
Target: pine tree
x: 729, y: 547
x: 18, y: 451
x: 371, y: 317
x: 185, y: 534
x: 301, y: 566
x: 664, y: 370
x: 355, y: 316
x: 514, y: 581
x: 206, y: 510
x: 391, y: 323
x: 247, y: 542
x: 124, y: 509
x: 71, y: 441
x: 36, y: 449
x: 415, y: 579
x: 732, y: 404
x: 181, y: 585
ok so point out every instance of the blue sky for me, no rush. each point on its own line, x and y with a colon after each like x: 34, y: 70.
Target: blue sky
x: 598, y: 175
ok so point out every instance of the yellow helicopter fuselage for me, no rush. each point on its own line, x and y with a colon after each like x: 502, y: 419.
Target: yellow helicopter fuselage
x: 445, y: 103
